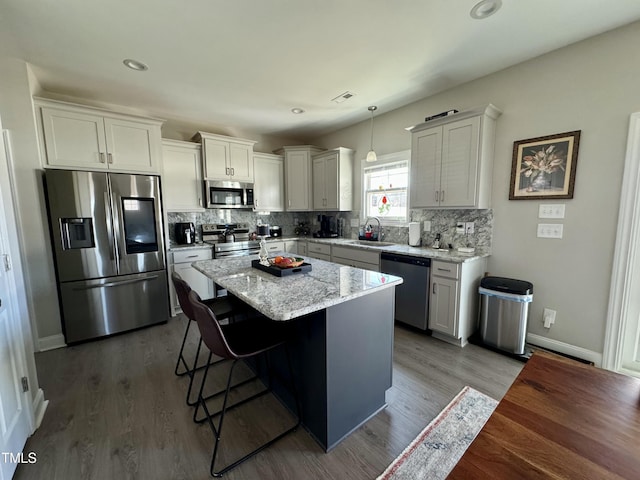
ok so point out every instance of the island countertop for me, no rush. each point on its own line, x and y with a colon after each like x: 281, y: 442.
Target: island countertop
x: 286, y: 298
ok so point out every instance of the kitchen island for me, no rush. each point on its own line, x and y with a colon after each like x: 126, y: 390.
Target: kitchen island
x: 343, y: 346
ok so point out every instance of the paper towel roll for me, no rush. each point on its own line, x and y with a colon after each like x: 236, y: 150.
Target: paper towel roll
x: 414, y: 234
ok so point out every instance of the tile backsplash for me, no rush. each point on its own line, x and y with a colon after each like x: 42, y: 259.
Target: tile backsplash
x: 442, y: 222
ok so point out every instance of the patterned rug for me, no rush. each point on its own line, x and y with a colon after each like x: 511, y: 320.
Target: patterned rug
x: 437, y: 449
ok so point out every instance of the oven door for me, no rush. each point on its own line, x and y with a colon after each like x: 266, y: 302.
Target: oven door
x: 226, y: 194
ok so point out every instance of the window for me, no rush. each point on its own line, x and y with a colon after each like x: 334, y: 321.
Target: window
x: 385, y: 186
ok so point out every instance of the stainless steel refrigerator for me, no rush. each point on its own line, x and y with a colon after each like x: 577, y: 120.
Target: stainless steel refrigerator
x: 107, y: 236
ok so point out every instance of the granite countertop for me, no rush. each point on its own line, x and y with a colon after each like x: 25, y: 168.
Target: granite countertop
x: 425, y: 252
x: 286, y: 298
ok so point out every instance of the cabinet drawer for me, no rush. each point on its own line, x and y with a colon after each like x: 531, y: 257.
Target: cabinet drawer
x: 445, y: 269
x: 194, y: 255
x: 358, y: 255
x: 322, y: 248
x: 275, y: 246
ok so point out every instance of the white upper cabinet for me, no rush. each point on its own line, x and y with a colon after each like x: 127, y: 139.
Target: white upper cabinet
x: 297, y: 176
x: 268, y: 188
x: 332, y: 173
x: 81, y: 137
x: 226, y: 158
x: 182, y: 186
x: 452, y: 160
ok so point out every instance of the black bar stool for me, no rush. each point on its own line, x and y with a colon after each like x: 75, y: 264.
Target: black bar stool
x: 238, y: 341
x: 224, y: 308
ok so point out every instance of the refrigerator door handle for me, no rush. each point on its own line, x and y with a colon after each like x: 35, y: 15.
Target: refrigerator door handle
x: 117, y: 284
x: 109, y: 221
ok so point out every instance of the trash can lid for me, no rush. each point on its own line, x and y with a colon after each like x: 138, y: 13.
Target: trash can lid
x: 507, y: 285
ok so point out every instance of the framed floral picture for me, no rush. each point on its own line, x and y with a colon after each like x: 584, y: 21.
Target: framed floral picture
x: 544, y: 167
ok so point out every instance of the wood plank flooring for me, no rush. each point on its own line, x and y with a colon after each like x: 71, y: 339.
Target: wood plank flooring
x: 116, y: 410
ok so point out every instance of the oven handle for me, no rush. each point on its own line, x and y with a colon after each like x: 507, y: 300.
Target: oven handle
x: 243, y: 253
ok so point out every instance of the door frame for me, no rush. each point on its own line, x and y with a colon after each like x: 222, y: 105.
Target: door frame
x: 625, y: 254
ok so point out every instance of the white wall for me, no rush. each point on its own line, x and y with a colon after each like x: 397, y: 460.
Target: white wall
x: 15, y: 101
x: 590, y: 86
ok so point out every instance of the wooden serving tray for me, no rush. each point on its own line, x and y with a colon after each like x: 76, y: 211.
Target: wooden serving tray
x: 281, y: 272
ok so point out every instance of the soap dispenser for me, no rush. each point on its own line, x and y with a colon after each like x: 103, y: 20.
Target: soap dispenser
x: 436, y: 242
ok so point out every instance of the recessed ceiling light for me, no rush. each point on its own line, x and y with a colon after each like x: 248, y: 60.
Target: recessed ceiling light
x: 297, y: 110
x: 485, y: 9
x: 135, y: 65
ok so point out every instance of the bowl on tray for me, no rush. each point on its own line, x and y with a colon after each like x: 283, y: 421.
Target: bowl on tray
x: 286, y: 262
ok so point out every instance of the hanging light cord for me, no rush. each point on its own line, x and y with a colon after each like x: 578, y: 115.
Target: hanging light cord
x: 372, y: 109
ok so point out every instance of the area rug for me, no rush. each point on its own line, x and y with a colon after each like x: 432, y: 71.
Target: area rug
x: 437, y: 449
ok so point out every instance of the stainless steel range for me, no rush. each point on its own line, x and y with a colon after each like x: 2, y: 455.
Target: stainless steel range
x: 229, y: 240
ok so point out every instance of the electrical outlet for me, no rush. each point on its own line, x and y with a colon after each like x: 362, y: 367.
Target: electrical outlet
x: 427, y: 226
x: 550, y: 230
x: 470, y: 227
x: 295, y: 221
x: 548, y: 317
x: 551, y: 210
x: 460, y: 227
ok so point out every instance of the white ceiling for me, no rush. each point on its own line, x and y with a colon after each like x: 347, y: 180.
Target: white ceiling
x: 245, y: 63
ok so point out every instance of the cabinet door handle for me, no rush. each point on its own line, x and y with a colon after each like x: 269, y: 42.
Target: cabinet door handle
x: 437, y: 195
x: 444, y: 269
x: 233, y: 171
x: 110, y: 157
x: 192, y: 256
x: 101, y: 157
x: 442, y: 197
x: 226, y: 171
x: 434, y: 288
x: 199, y: 201
x: 289, y: 202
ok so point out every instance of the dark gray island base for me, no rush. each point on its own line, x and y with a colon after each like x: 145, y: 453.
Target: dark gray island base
x: 342, y: 352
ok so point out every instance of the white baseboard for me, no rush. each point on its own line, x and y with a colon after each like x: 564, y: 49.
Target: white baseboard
x: 565, y: 348
x: 50, y: 343
x: 39, y: 407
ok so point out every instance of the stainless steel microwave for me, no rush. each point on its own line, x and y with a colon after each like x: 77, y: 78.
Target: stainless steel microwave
x: 228, y: 194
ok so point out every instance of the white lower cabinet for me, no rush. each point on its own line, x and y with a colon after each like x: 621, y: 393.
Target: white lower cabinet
x: 453, y: 306
x: 275, y: 246
x: 321, y: 251
x: 356, y: 257
x: 181, y: 264
x: 291, y: 246
x: 302, y: 247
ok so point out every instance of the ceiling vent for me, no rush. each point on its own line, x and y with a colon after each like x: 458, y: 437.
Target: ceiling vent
x: 343, y: 97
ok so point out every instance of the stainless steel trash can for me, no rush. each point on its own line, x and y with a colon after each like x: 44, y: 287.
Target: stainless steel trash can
x: 504, y: 309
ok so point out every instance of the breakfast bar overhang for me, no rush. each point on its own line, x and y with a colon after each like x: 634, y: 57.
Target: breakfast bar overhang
x: 342, y: 351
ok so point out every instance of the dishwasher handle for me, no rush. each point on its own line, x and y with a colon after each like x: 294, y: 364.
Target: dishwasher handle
x: 392, y: 257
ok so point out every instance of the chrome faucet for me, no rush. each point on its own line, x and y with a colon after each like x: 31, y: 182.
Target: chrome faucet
x: 366, y: 222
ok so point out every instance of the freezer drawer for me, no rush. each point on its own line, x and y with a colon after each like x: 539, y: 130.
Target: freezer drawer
x: 95, y: 308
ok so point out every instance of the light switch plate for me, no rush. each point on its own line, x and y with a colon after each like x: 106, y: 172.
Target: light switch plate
x: 460, y: 227
x: 354, y: 222
x: 548, y: 210
x: 550, y: 230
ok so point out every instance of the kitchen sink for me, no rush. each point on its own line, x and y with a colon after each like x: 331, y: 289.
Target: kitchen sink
x: 371, y: 243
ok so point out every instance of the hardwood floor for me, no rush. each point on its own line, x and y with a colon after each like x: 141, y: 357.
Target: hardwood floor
x: 117, y: 410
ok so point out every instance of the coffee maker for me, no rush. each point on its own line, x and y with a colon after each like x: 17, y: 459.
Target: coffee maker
x: 327, y: 227
x: 185, y: 233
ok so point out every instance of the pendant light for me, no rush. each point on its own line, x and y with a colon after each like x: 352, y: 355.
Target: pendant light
x: 371, y: 156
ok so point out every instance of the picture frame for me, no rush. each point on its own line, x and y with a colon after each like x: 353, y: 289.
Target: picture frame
x: 544, y: 167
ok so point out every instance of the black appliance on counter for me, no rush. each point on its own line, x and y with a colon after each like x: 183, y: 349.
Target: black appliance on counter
x: 185, y: 233
x: 327, y: 227
x: 275, y: 231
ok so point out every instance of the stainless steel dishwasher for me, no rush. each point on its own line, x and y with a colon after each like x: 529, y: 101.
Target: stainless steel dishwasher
x: 412, y: 297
